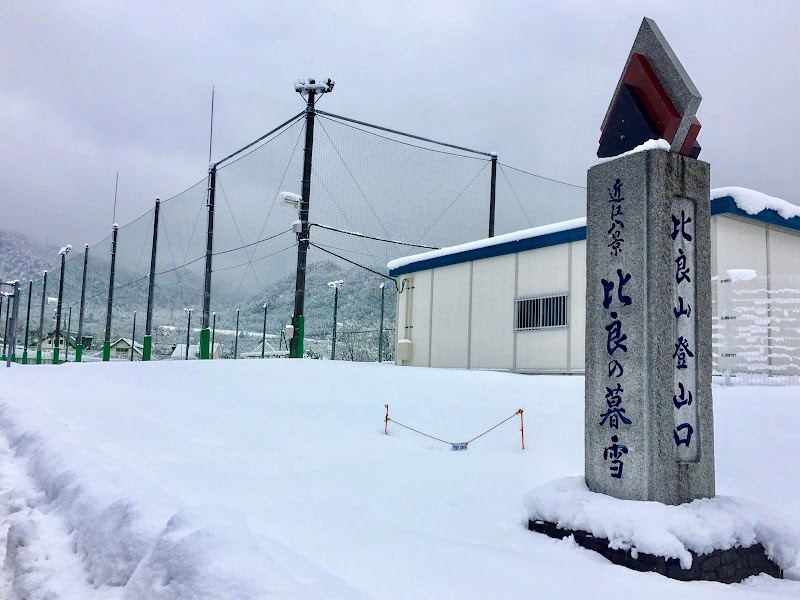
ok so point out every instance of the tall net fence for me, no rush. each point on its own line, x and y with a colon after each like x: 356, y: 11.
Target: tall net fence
x: 526, y: 200
x: 756, y: 331
x: 376, y: 195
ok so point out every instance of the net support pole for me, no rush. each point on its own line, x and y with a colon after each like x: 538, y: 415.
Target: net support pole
x: 492, y: 194
x: 81, y: 311
x: 147, y: 348
x: 205, y: 332
x: 133, y: 337
x: 66, y: 339
x: 41, y: 320
x: 5, y: 323
x: 380, y: 331
x: 110, y: 304
x: 27, y: 324
x: 264, y: 331
x: 335, y: 317
x: 213, y: 333
x: 298, y: 319
x: 12, y: 326
x: 57, y: 338
x: 236, y: 340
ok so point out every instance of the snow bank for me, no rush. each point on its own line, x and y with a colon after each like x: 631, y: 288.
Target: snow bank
x: 659, y: 144
x: 207, y: 553
x: 515, y: 236
x: 701, y: 526
x: 184, y: 480
x: 753, y: 202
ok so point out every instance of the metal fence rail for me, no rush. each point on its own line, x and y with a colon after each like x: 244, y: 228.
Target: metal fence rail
x: 756, y: 330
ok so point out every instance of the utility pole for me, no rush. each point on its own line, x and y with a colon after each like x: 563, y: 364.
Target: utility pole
x: 147, y: 348
x: 41, y: 319
x: 79, y: 339
x: 27, y: 323
x: 57, y: 341
x: 309, y: 89
x: 205, y: 334
x: 492, y: 192
x: 335, y: 285
x: 380, y: 333
x: 110, y: 305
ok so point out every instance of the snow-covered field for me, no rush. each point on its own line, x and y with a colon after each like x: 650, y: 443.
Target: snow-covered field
x: 273, y: 479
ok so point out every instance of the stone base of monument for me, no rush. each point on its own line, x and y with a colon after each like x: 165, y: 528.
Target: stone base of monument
x: 725, y: 566
x: 721, y: 539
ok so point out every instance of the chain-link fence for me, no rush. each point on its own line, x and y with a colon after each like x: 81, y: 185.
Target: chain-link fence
x: 376, y: 195
x: 756, y: 330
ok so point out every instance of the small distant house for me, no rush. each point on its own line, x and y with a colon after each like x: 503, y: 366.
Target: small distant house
x: 122, y: 348
x: 179, y: 353
x: 48, y: 343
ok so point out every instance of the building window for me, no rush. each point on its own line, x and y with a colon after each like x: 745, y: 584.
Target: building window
x: 541, y: 312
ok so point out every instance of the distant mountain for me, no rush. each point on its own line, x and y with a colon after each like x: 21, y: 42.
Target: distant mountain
x: 358, y: 309
x: 22, y: 258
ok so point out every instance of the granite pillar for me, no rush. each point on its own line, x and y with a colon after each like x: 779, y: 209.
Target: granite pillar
x: 649, y: 428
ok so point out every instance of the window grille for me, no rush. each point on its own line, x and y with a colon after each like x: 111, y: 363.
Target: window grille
x: 541, y: 312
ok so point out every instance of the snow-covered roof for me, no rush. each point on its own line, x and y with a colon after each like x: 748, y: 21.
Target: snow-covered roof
x: 750, y: 202
x: 516, y: 236
x: 753, y: 202
x: 136, y: 345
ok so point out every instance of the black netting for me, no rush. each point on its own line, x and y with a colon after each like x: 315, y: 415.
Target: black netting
x: 526, y: 200
x: 388, y: 187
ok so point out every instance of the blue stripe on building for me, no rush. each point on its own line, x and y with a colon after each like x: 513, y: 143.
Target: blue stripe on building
x: 724, y: 205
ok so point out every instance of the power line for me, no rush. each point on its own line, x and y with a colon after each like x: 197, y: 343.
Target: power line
x: 369, y: 237
x: 399, y: 289
x: 409, y: 135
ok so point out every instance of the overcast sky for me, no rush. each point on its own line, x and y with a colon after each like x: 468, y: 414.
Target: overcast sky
x: 92, y: 87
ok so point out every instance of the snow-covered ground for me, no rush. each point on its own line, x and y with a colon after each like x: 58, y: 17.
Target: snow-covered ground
x: 273, y: 479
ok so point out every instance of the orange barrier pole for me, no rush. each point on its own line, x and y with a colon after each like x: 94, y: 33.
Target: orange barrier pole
x: 386, y: 421
x: 521, y: 427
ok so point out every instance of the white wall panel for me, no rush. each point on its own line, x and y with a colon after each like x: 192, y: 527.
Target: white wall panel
x: 543, y: 271
x: 420, y: 318
x: 740, y: 245
x: 545, y: 349
x: 450, y: 316
x: 577, y: 307
x: 784, y: 252
x: 492, y: 332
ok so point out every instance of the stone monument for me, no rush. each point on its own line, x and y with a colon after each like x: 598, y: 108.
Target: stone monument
x: 649, y: 422
x: 649, y: 414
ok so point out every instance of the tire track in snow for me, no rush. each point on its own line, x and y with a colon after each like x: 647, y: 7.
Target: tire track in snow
x: 36, y: 548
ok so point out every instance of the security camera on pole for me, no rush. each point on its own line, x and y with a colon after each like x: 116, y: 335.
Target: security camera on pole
x: 309, y: 89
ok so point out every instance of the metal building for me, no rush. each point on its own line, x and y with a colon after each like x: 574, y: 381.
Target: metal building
x: 516, y: 302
